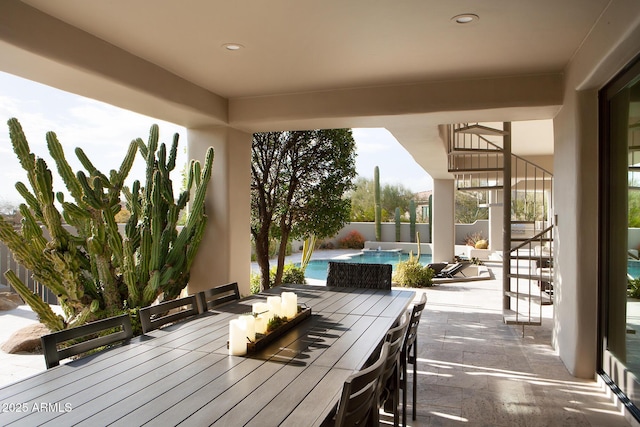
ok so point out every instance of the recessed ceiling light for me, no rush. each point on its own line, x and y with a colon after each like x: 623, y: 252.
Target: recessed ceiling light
x: 232, y: 46
x: 465, y: 18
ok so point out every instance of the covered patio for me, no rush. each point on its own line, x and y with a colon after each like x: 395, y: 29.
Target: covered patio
x: 226, y: 70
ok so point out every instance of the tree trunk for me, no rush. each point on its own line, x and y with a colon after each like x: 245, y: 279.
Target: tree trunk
x: 262, y: 256
x: 282, y: 252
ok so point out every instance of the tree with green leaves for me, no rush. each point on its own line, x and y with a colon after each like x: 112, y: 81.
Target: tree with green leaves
x: 391, y: 197
x: 468, y: 209
x: 298, y: 180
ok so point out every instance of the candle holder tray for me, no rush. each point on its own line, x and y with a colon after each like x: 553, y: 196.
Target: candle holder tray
x: 262, y: 340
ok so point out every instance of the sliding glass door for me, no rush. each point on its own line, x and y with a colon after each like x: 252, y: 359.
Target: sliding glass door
x: 620, y: 234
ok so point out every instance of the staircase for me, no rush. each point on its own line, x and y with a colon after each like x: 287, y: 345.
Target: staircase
x: 476, y: 156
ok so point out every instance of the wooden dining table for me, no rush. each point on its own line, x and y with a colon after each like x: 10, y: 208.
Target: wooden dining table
x: 183, y: 374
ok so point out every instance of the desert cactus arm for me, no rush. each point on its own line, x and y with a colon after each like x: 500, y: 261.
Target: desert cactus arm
x: 173, y: 154
x: 93, y: 171
x: 129, y: 273
x: 113, y: 238
x: 31, y: 200
x: 46, y: 315
x: 52, y: 218
x: 65, y: 171
x: 145, y: 252
x: 43, y: 270
x: 21, y: 148
x: 31, y: 229
x: 89, y: 195
x: 127, y: 164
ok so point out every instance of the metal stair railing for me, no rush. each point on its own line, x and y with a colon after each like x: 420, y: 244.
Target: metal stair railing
x: 530, y: 279
x: 478, y: 164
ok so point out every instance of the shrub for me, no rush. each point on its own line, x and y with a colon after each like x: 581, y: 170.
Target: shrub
x: 353, y: 240
x: 412, y: 274
x: 326, y: 245
x: 472, y: 239
x: 482, y: 244
x: 633, y: 288
x: 290, y: 274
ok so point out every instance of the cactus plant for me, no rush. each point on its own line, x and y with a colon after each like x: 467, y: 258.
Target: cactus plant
x: 376, y: 202
x: 94, y: 269
x: 430, y: 218
x: 412, y: 219
x: 397, y: 218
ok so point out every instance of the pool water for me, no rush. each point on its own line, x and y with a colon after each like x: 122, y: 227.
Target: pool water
x: 633, y: 268
x: 317, y: 268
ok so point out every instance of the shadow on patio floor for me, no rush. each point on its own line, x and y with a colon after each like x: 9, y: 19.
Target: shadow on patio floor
x: 474, y: 370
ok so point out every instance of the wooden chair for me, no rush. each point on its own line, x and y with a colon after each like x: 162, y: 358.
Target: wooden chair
x: 53, y: 355
x: 359, y: 401
x: 218, y: 296
x: 155, y: 316
x: 390, y: 384
x: 354, y: 275
x: 411, y: 345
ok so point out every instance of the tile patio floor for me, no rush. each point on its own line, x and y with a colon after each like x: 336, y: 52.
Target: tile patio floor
x: 473, y: 370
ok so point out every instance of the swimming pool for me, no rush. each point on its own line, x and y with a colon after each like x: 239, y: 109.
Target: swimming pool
x: 317, y: 268
x: 633, y: 268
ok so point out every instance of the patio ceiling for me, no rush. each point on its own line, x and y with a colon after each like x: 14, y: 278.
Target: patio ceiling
x: 406, y: 66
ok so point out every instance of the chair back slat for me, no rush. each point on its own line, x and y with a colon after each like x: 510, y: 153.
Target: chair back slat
x: 356, y: 275
x: 155, y: 316
x: 396, y: 338
x: 414, y: 322
x: 50, y: 342
x: 219, y: 295
x: 358, y: 403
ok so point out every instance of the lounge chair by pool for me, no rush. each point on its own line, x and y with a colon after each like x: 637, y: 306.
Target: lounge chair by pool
x: 437, y: 267
x: 453, y: 269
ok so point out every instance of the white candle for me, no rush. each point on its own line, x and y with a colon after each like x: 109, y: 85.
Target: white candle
x: 289, y: 305
x: 250, y: 323
x: 275, y: 306
x: 237, y: 337
x: 262, y: 311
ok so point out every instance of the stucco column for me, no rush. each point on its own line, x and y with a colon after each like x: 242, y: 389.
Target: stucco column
x: 443, y: 220
x: 225, y: 252
x: 495, y: 220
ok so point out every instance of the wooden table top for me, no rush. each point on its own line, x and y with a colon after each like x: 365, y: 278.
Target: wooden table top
x: 183, y: 374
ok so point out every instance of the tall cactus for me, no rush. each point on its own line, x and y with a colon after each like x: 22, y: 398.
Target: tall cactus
x: 94, y: 269
x: 412, y: 219
x: 376, y: 202
x: 430, y: 218
x: 397, y: 218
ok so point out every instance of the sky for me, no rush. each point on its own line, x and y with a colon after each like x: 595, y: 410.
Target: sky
x: 104, y: 133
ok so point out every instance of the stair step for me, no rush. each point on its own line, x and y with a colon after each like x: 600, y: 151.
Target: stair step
x: 510, y: 317
x: 481, y: 130
x: 537, y: 239
x: 532, y: 257
x: 481, y: 187
x: 543, y: 299
x: 545, y: 277
x: 475, y: 170
x: 465, y: 150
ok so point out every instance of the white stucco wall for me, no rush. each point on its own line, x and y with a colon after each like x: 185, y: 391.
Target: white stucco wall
x: 605, y: 51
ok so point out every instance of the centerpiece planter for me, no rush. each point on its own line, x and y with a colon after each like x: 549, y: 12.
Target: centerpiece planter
x: 262, y: 340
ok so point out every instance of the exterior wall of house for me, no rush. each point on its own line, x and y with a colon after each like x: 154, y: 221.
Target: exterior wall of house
x: 225, y: 247
x: 605, y: 51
